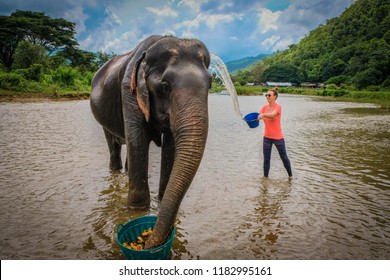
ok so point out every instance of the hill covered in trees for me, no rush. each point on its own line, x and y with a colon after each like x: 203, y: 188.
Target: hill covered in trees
x: 350, y: 50
x: 235, y: 65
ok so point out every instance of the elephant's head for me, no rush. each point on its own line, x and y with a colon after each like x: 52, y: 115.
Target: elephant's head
x: 171, y: 83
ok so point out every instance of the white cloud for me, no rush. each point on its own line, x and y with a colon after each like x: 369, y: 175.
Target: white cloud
x: 118, y: 25
x: 169, y: 32
x: 188, y: 34
x: 224, y: 5
x: 194, y: 5
x: 76, y: 15
x: 268, y: 20
x: 113, y: 18
x: 120, y: 44
x: 282, y: 44
x: 166, y: 11
x: 105, y: 37
x: 270, y: 42
x: 210, y: 20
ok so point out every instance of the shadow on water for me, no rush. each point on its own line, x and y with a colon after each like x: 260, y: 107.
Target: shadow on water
x: 104, y: 219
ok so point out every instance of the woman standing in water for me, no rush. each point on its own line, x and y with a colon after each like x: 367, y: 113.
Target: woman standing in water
x: 271, y: 115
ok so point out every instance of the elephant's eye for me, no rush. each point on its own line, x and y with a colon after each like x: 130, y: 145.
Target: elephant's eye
x: 165, y: 87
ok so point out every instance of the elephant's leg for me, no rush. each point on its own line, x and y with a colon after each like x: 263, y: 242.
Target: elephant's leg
x: 137, y: 161
x: 115, y: 147
x: 167, y: 159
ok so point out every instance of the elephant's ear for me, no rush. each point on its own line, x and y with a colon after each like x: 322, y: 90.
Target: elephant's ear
x: 138, y: 87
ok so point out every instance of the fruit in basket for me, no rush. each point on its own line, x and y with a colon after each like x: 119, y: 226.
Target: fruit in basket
x: 140, y: 243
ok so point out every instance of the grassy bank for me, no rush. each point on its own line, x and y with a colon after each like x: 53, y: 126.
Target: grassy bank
x: 382, y: 98
x: 10, y: 95
x: 40, y: 82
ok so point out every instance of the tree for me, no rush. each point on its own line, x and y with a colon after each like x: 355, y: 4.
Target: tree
x: 10, y: 36
x: 37, y: 28
x: 51, y: 33
x: 27, y: 54
x: 282, y: 72
x: 102, y: 58
x: 258, y: 71
x: 353, y: 48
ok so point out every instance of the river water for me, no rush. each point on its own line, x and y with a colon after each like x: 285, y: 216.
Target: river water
x: 58, y: 200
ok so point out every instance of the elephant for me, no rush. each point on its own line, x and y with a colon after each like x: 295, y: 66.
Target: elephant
x: 156, y: 92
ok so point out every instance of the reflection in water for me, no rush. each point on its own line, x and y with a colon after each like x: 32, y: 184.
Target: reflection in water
x: 272, y: 194
x: 262, y: 228
x: 58, y: 199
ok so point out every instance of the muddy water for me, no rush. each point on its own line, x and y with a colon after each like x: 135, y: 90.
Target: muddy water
x: 58, y: 199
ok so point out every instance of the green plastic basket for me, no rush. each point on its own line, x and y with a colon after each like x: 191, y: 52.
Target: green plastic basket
x: 134, y: 228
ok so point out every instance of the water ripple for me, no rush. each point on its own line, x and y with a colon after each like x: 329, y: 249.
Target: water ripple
x: 59, y: 200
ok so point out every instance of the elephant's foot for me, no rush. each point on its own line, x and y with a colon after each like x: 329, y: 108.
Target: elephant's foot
x: 115, y: 165
x: 138, y: 206
x: 138, y: 200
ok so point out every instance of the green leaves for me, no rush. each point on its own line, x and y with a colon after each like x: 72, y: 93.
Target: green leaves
x: 352, y: 49
x: 36, y: 28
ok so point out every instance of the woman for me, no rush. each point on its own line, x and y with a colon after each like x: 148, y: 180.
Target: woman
x: 271, y: 115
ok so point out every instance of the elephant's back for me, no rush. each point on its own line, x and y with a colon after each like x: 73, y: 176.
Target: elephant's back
x: 105, y: 100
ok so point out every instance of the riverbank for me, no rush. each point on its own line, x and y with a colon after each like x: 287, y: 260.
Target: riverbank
x: 7, y: 95
x: 381, y: 98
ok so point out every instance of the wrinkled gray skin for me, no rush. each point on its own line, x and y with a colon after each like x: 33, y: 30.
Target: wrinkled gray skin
x: 157, y: 92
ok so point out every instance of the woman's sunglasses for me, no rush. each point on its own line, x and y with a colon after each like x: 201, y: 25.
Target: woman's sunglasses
x: 267, y: 95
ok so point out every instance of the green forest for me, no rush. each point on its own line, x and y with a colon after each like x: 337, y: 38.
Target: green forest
x: 351, y: 51
x: 40, y: 55
x: 349, y: 54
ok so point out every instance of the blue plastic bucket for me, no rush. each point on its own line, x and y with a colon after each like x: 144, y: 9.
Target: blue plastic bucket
x: 130, y: 231
x: 251, y: 120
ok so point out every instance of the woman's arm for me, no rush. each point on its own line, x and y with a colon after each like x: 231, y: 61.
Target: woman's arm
x: 271, y: 115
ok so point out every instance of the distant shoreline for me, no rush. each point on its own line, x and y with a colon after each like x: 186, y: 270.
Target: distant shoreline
x: 364, y: 97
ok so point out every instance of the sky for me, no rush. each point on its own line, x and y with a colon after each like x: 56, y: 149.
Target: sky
x: 231, y: 29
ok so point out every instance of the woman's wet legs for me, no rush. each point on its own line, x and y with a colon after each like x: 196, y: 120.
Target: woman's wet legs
x: 267, y: 149
x: 281, y: 146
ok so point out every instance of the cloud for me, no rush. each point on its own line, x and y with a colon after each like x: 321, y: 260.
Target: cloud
x: 230, y: 28
x: 193, y: 5
x: 112, y: 17
x: 104, y: 37
x: 268, y: 20
x: 166, y: 11
x: 121, y: 44
x: 76, y: 15
x: 270, y: 42
x: 282, y: 44
x: 232, y: 6
x: 210, y: 20
x: 310, y: 14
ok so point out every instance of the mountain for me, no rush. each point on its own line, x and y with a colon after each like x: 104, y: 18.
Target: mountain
x: 352, y: 49
x: 235, y: 65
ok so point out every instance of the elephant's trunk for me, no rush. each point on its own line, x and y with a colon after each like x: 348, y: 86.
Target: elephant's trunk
x: 189, y: 122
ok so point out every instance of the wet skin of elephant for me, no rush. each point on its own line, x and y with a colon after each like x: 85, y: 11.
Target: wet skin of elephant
x: 157, y: 92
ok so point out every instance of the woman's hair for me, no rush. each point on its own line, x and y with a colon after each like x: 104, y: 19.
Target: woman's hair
x: 275, y: 90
